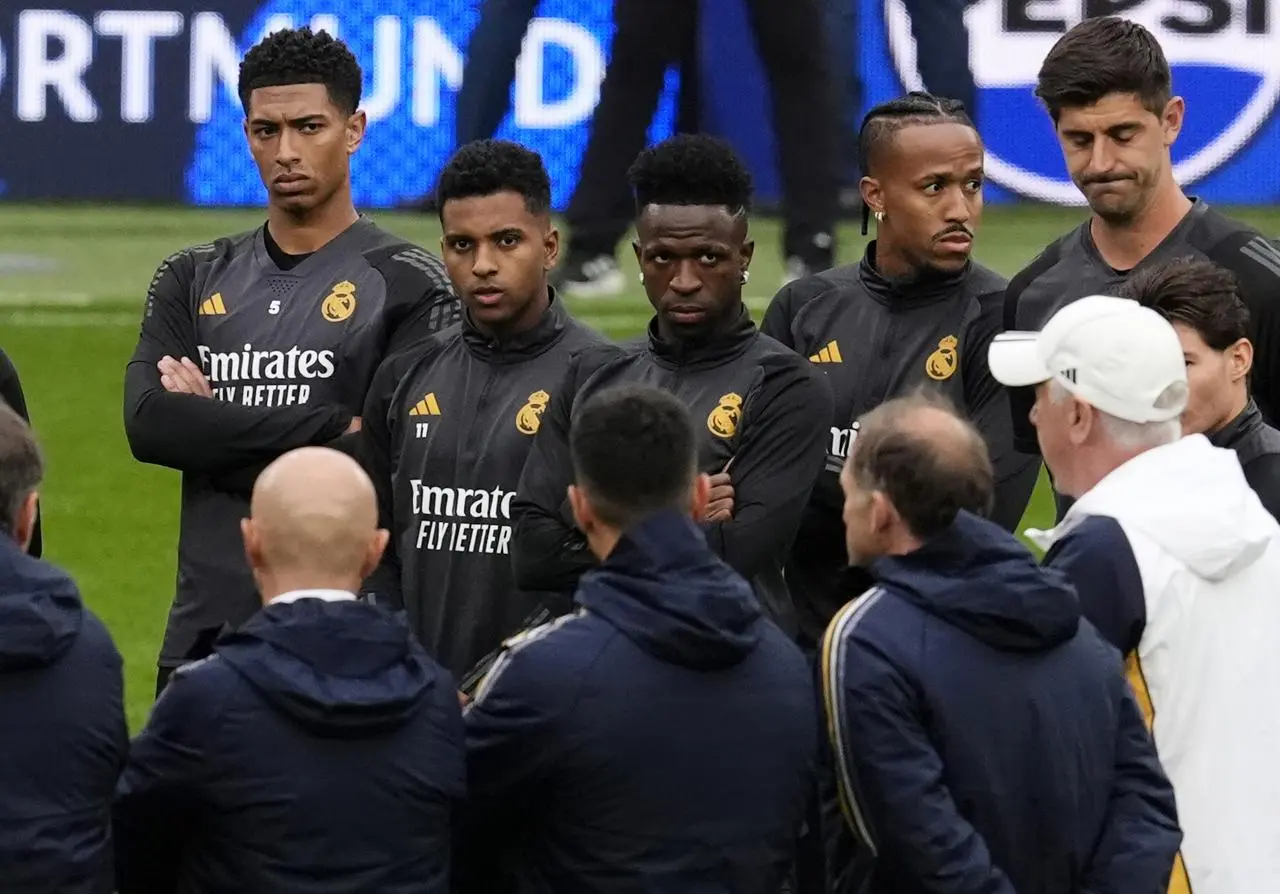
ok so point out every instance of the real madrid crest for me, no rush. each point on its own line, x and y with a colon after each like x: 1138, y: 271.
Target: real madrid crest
x: 942, y: 363
x: 340, y: 303
x: 529, y: 417
x: 723, y: 420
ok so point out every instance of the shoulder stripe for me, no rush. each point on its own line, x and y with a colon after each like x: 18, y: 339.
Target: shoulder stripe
x: 833, y: 697
x: 1262, y: 251
x: 513, y: 646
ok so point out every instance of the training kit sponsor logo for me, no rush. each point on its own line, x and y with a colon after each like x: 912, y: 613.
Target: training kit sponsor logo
x: 1223, y: 55
x: 839, y: 446
x: 257, y: 378
x: 462, y: 519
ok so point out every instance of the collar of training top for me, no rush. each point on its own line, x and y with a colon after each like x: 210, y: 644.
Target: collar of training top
x: 522, y: 345
x: 1249, y: 421
x: 927, y: 287
x: 724, y: 343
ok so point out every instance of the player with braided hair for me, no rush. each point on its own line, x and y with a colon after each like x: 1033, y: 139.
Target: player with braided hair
x: 915, y: 311
x: 265, y: 341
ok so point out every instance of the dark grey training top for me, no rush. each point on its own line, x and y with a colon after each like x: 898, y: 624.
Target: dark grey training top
x: 289, y: 346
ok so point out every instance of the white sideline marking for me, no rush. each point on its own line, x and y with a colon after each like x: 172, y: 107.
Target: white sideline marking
x: 45, y: 299
x: 52, y: 319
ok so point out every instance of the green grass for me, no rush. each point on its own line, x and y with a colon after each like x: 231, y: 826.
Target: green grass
x: 70, y: 329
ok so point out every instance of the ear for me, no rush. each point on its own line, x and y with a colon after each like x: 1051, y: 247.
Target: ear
x: 883, y: 515
x: 747, y: 252
x: 635, y: 246
x: 1240, y: 359
x: 1082, y: 419
x: 551, y: 248
x: 244, y: 127
x: 872, y: 195
x: 373, y: 555
x: 1174, y: 114
x: 583, y: 516
x: 252, y: 543
x: 699, y: 497
x: 24, y: 529
x: 356, y: 126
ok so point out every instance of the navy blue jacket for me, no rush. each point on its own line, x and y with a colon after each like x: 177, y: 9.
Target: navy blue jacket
x: 317, y: 750
x: 62, y: 732
x: 986, y: 739
x: 660, y: 739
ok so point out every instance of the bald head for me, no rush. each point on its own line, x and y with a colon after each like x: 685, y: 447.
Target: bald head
x: 314, y: 521
x: 926, y: 459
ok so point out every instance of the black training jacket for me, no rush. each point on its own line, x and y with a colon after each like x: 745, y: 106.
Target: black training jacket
x: 289, y: 354
x: 876, y: 339
x: 755, y: 403
x: 1257, y: 445
x: 447, y: 428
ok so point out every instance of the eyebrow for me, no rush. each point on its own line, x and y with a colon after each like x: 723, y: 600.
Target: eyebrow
x: 296, y: 122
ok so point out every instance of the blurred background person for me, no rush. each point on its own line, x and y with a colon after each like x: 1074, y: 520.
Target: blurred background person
x: 1175, y: 562
x: 1202, y: 301
x: 62, y: 726
x: 650, y: 36
x: 663, y: 736
x: 319, y: 747
x: 978, y: 725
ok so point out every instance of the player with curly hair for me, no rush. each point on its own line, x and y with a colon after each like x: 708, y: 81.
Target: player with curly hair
x: 762, y: 412
x: 448, y: 426
x: 264, y: 341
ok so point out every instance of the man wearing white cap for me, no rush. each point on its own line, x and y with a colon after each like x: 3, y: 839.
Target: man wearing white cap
x: 1176, y: 562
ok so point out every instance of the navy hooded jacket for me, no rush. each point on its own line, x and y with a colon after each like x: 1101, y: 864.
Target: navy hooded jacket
x: 986, y: 739
x: 660, y: 739
x: 62, y: 732
x: 317, y: 750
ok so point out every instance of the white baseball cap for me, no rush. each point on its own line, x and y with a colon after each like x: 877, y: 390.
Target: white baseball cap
x: 1112, y: 353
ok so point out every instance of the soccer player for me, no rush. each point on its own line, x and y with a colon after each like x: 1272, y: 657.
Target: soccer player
x: 1107, y: 87
x: 11, y: 393
x: 763, y: 411
x: 448, y: 426
x: 916, y: 310
x: 1202, y: 302
x: 265, y: 341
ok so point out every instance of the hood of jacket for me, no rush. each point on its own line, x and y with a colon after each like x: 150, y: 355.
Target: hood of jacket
x: 40, y: 609
x: 1192, y: 500
x: 342, y: 669
x: 977, y: 577
x: 665, y: 590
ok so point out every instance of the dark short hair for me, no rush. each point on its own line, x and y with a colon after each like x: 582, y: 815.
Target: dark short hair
x: 928, y: 482
x: 21, y: 466
x: 691, y: 169
x: 300, y: 56
x: 1197, y: 293
x: 1102, y: 56
x: 485, y: 167
x: 634, y: 453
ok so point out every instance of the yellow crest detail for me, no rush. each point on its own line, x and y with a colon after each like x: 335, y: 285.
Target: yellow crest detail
x: 942, y: 363
x: 339, y: 303
x: 723, y: 420
x: 529, y: 417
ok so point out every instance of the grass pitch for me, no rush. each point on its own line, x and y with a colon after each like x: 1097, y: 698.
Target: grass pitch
x: 72, y: 283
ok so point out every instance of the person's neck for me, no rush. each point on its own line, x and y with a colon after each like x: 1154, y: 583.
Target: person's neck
x: 603, y: 540
x: 891, y: 262
x: 902, y: 542
x: 526, y: 322
x: 1123, y: 245
x: 1239, y: 403
x: 712, y: 332
x: 300, y: 234
x: 1092, y: 466
x: 273, y: 584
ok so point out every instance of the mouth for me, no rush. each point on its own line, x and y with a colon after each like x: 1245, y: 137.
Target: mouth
x: 686, y: 313
x: 290, y: 182
x: 488, y: 296
x: 956, y: 240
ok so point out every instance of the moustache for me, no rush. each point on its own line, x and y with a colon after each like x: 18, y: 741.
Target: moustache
x: 957, y: 230
x: 1106, y: 178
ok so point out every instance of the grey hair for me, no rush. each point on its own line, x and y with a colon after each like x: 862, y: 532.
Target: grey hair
x: 1122, y: 432
x: 21, y: 467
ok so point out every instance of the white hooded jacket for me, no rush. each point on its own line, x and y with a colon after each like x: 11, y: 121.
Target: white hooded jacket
x: 1178, y: 563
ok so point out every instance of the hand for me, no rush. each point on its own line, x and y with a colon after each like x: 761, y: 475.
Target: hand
x: 183, y: 377
x: 719, y: 499
x: 355, y: 425
x: 463, y: 699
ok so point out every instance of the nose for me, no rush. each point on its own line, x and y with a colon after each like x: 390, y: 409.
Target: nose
x: 686, y: 280
x: 485, y: 261
x: 287, y: 148
x: 957, y: 208
x: 1101, y: 158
